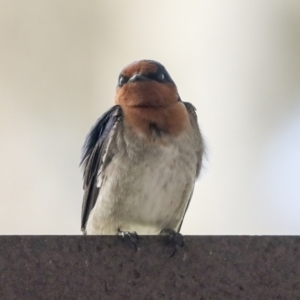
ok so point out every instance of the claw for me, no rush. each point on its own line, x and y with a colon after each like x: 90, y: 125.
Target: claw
x: 130, y: 237
x: 173, y: 238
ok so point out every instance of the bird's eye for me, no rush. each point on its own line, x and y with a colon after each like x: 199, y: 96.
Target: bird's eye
x: 161, y: 76
x: 122, y: 80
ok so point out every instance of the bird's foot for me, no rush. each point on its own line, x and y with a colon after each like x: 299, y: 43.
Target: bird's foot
x: 173, y: 239
x: 130, y: 238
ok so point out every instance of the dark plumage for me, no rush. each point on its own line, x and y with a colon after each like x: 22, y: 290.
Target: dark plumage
x: 92, y: 155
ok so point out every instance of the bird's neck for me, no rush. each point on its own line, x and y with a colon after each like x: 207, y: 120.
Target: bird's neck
x: 157, y: 121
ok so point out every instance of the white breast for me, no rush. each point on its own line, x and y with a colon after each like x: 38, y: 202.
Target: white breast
x: 145, y: 189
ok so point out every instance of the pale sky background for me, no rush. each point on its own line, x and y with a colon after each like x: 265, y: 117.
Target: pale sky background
x: 237, y: 61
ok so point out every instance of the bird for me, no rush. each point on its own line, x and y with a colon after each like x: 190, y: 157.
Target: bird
x: 141, y: 158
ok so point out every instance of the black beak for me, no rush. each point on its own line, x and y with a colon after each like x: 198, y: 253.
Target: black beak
x: 138, y: 77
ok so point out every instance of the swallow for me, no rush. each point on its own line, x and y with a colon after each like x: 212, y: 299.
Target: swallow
x: 141, y: 158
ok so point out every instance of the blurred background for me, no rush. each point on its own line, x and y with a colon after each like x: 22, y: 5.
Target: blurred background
x: 237, y: 61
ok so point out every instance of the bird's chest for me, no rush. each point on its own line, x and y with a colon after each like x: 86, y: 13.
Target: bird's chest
x: 149, y: 185
x: 155, y: 165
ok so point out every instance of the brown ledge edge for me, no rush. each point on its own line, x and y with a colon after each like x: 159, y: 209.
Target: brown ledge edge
x: 103, y: 267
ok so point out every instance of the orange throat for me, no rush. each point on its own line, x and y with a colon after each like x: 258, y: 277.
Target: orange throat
x: 152, y: 109
x: 157, y: 121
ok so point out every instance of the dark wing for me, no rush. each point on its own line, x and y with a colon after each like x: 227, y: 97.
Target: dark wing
x: 200, y: 148
x: 200, y: 145
x: 93, y: 157
x: 179, y: 228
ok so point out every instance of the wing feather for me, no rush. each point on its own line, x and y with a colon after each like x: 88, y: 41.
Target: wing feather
x: 200, y: 149
x: 93, y: 157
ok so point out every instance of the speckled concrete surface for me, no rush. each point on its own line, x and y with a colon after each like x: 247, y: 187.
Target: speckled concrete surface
x: 94, y: 267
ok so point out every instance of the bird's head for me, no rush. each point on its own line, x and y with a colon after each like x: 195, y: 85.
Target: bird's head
x: 146, y: 83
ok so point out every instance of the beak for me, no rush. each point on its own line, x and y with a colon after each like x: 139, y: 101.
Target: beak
x: 138, y: 77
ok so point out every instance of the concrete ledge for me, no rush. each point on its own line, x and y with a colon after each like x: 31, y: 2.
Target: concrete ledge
x: 94, y: 267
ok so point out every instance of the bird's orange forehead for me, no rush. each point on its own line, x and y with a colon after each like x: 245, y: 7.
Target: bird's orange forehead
x: 139, y: 67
